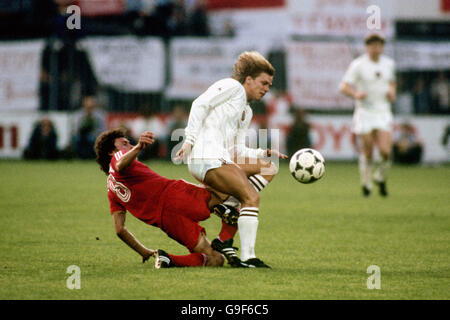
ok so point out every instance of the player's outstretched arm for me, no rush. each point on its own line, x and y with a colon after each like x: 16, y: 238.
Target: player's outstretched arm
x: 127, y: 237
x: 392, y: 92
x: 276, y: 153
x: 145, y: 139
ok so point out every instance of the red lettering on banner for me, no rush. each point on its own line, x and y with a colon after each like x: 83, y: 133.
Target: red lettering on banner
x: 337, y: 135
x: 445, y: 5
x: 241, y: 4
x: 14, y: 137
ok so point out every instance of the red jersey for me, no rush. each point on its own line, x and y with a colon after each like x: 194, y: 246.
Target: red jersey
x: 137, y: 189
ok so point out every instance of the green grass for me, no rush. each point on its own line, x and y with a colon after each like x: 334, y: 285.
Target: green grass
x: 318, y: 238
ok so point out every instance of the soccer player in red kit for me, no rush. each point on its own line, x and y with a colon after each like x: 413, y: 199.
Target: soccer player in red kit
x: 175, y: 206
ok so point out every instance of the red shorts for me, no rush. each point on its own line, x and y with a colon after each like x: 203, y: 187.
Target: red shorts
x: 184, y: 206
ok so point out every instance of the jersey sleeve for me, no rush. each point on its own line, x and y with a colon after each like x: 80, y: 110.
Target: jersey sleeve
x: 211, y: 98
x: 391, y: 75
x: 114, y: 205
x: 243, y: 151
x: 116, y: 157
x: 352, y: 73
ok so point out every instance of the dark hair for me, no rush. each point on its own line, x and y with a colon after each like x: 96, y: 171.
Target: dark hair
x: 104, y: 145
x: 373, y: 38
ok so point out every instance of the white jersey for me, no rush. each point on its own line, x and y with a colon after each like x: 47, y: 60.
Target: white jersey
x: 217, y: 122
x: 373, y: 78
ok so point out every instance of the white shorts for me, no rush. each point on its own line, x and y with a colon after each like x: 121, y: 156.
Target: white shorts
x: 206, y: 156
x: 365, y: 122
x: 199, y: 167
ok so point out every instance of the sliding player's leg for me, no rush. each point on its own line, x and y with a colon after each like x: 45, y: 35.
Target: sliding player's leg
x: 202, y: 255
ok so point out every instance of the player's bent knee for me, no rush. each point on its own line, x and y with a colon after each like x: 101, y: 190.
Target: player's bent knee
x: 251, y: 197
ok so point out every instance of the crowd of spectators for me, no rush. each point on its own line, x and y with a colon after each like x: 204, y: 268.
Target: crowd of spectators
x: 47, y: 18
x: 427, y: 93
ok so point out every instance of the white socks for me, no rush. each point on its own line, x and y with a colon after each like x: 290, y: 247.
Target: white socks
x: 365, y: 171
x: 380, y: 172
x: 248, y: 219
x: 258, y: 182
x: 248, y: 227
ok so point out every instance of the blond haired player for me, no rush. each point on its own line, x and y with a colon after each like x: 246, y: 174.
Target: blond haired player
x: 215, y: 137
x: 370, y: 80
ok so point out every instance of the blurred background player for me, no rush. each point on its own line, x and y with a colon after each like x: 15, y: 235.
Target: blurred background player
x: 157, y: 201
x: 370, y: 80
x: 216, y: 129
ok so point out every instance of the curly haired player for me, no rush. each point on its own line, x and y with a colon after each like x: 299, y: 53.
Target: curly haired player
x: 174, y: 206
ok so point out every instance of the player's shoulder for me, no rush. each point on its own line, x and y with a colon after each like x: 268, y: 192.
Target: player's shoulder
x: 227, y: 84
x: 387, y: 60
x: 358, y: 61
x: 363, y: 58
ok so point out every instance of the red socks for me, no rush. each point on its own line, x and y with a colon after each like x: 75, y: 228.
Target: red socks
x: 190, y: 260
x: 227, y: 232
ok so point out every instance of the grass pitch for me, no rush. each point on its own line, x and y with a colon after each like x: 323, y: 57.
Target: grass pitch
x: 319, y: 238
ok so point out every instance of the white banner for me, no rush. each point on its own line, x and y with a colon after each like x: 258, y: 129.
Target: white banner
x: 332, y: 136
x: 20, y: 64
x: 198, y: 63
x: 272, y: 24
x: 127, y: 63
x: 340, y: 17
x: 16, y: 129
x: 314, y: 72
x: 414, y: 55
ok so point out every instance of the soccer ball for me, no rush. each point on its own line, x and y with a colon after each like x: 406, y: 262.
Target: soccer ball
x: 307, y: 165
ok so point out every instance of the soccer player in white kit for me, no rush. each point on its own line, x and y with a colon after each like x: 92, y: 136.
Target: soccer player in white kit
x: 215, y: 137
x: 370, y: 80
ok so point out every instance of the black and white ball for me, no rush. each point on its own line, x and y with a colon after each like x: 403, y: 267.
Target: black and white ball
x: 307, y: 165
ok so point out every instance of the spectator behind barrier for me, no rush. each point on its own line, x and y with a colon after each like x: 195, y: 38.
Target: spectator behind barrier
x: 420, y: 97
x: 43, y: 141
x: 408, y: 148
x: 198, y: 19
x: 440, y: 94
x: 299, y: 136
x: 90, y: 121
x: 149, y: 121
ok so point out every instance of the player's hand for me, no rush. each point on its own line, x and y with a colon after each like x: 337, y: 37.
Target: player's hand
x: 359, y: 95
x: 146, y: 139
x: 184, y: 151
x: 276, y: 153
x: 391, y: 96
x: 148, y: 254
